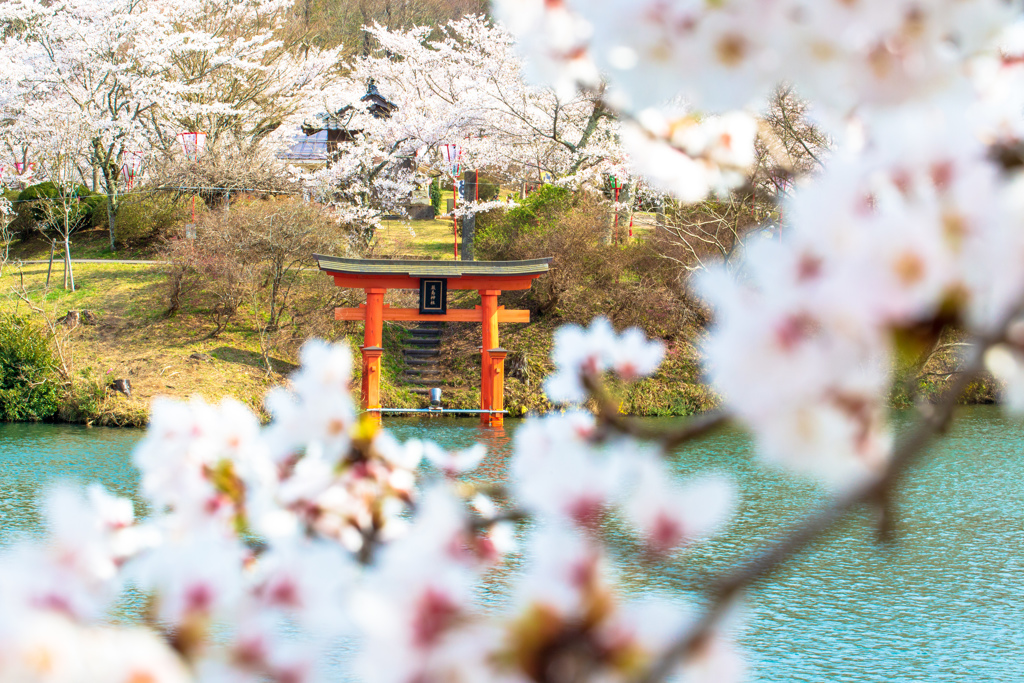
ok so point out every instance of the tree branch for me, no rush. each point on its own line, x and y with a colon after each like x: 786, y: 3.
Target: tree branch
x: 611, y: 420
x: 762, y: 565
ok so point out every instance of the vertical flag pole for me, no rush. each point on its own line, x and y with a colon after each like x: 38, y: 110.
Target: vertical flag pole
x: 192, y: 144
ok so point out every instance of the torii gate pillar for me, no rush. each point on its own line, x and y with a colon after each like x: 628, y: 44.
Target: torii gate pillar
x: 373, y: 337
x: 496, y: 386
x: 489, y: 306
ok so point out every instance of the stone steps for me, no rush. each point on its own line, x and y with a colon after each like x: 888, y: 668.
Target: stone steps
x: 422, y: 371
x: 433, y: 343
x: 428, y: 382
x: 427, y: 362
x: 421, y: 353
x: 422, y: 365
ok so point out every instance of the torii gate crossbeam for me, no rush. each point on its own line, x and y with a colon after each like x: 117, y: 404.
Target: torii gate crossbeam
x: 433, y: 279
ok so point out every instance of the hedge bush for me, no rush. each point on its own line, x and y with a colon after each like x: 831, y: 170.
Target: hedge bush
x: 143, y: 219
x: 499, y: 232
x: 35, y: 197
x: 29, y: 384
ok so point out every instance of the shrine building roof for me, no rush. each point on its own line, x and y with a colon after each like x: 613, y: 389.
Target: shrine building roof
x: 426, y: 268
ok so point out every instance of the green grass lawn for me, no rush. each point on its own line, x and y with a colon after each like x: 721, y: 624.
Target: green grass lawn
x: 416, y: 239
x: 433, y: 239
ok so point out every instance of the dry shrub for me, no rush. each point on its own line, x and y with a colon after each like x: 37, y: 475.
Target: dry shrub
x: 225, y: 172
x: 629, y: 284
x: 256, y: 257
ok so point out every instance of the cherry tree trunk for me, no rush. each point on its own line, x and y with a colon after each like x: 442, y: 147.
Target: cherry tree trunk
x: 469, y: 220
x: 68, y: 273
x: 113, y: 202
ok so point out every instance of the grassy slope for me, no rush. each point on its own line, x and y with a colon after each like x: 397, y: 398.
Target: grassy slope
x: 133, y: 339
x: 416, y: 239
x: 432, y: 239
x: 86, y: 244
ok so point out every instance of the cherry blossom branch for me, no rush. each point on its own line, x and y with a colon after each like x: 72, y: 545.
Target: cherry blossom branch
x: 909, y: 449
x: 484, y: 523
x: 610, y: 419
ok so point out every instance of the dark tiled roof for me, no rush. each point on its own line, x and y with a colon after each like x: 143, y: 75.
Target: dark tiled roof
x: 356, y: 266
x: 308, y: 148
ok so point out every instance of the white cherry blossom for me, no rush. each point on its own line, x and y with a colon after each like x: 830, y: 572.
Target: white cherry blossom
x: 594, y: 350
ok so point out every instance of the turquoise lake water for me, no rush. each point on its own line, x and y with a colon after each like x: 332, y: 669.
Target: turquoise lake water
x: 943, y: 604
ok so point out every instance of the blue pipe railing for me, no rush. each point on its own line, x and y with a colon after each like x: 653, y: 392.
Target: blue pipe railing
x: 435, y: 411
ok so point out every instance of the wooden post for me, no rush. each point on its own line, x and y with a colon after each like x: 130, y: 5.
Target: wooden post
x: 371, y: 381
x: 616, y: 228
x: 471, y: 188
x: 53, y: 245
x: 497, y: 383
x: 489, y: 308
x: 373, y: 337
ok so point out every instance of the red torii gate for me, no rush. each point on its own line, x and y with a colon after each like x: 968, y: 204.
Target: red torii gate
x: 433, y: 279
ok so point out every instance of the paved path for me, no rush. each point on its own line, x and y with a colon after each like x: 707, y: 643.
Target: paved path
x: 94, y: 260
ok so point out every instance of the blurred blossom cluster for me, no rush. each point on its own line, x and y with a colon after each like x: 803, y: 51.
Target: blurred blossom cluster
x: 582, y: 352
x: 270, y: 547
x: 914, y: 221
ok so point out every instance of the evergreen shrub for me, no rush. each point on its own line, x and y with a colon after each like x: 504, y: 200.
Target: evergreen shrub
x: 23, y: 223
x: 35, y: 196
x: 29, y: 384
x: 498, y: 232
x: 435, y: 196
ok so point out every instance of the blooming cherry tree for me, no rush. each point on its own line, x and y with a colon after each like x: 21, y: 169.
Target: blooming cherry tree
x: 104, y: 62
x: 134, y: 74
x: 464, y: 85
x: 467, y: 85
x: 242, y: 80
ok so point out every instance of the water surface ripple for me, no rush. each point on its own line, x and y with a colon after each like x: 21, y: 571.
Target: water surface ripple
x: 945, y: 603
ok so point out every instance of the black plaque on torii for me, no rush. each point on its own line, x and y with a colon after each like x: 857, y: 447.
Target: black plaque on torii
x: 433, y: 296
